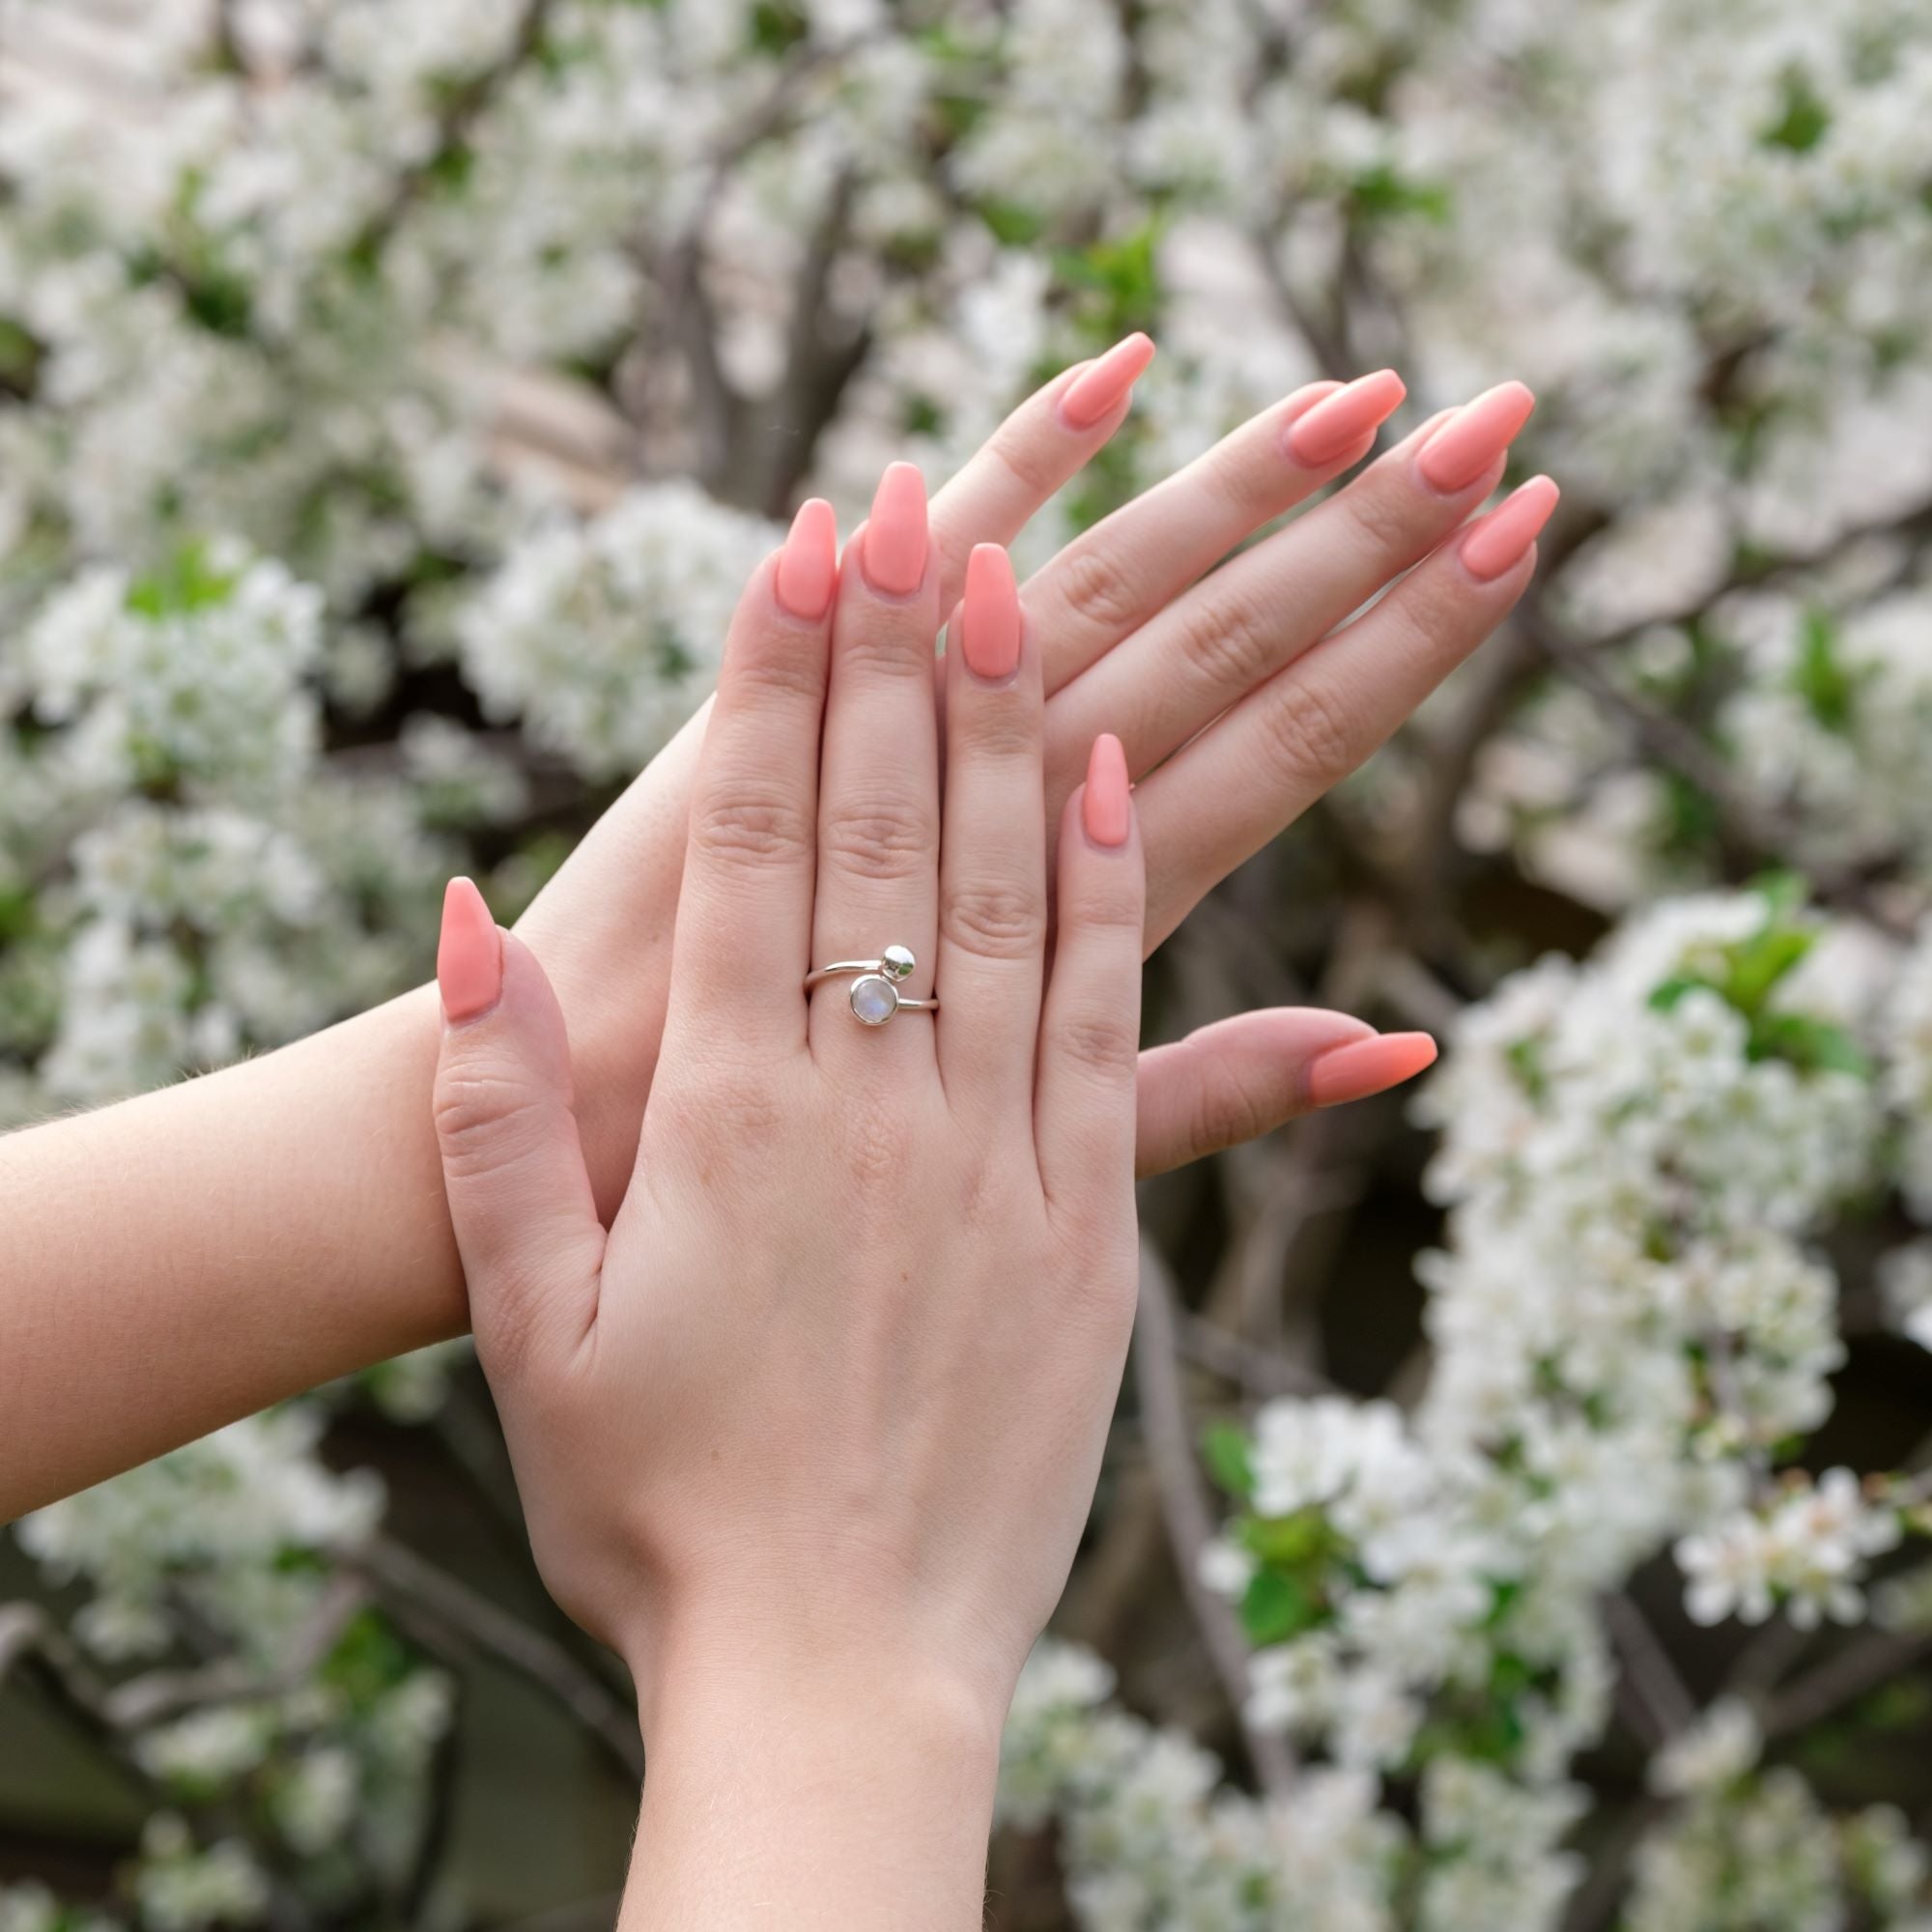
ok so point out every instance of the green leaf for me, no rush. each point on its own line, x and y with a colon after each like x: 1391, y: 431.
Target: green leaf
x: 1380, y: 194
x: 1305, y: 1540
x: 1275, y: 1608
x: 1758, y: 963
x: 186, y: 582
x: 1812, y: 1045
x: 1664, y: 998
x: 1804, y: 119
x: 1820, y: 676
x: 1224, y: 1448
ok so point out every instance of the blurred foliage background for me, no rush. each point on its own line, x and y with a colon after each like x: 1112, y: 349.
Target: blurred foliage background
x: 393, y: 394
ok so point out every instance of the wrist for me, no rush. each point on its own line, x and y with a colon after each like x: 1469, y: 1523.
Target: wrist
x: 835, y: 1792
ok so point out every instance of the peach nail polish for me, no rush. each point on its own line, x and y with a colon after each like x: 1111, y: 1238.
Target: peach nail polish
x: 1474, y: 436
x: 1366, y: 1066
x: 470, y: 955
x: 1495, y: 543
x: 808, y: 563
x: 1337, y: 423
x: 989, y: 624
x: 1106, y: 808
x: 1102, y: 387
x: 895, y: 540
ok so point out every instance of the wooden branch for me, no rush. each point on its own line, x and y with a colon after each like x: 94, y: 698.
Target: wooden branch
x: 418, y: 1591
x: 1665, y: 1706
x: 1186, y: 1511
x: 1859, y: 1667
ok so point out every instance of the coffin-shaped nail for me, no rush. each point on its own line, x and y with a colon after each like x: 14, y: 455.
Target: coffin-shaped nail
x: 1474, y: 436
x: 1337, y: 423
x: 1495, y: 543
x: 1099, y: 389
x: 895, y: 540
x: 808, y: 563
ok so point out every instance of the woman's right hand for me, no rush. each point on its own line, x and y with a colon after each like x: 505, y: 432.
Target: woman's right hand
x: 812, y: 1435
x: 1236, y: 707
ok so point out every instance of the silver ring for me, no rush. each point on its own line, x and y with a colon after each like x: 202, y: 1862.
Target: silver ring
x: 876, y: 995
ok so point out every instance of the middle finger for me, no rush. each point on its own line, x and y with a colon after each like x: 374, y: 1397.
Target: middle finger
x: 878, y: 792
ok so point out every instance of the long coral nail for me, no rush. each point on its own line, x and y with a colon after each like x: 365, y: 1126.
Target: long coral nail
x: 1106, y: 808
x: 1368, y: 1066
x: 1097, y: 391
x: 808, y: 563
x: 989, y: 625
x: 1474, y: 436
x: 1339, y: 422
x: 470, y: 955
x: 895, y: 556
x: 1498, y: 542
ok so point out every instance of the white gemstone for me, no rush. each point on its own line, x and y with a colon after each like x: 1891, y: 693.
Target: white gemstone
x: 875, y: 1000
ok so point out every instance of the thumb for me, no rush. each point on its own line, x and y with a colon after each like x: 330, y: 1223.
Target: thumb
x: 519, y: 1197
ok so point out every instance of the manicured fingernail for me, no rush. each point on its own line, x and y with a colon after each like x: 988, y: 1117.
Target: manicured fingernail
x: 895, y: 557
x: 1339, y: 422
x: 808, y: 563
x: 990, y: 622
x: 1495, y: 543
x: 1474, y: 436
x: 1106, y: 808
x: 1368, y: 1066
x: 1099, y: 391
x: 470, y: 955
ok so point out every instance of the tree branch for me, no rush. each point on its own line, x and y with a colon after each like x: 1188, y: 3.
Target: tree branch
x: 1184, y: 1506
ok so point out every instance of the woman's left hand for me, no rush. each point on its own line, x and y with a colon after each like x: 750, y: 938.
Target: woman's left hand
x: 810, y: 1437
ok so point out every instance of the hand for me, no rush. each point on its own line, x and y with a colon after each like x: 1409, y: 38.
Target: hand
x: 810, y: 1436
x: 1236, y: 705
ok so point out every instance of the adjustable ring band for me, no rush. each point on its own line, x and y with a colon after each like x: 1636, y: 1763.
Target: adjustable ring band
x: 876, y: 995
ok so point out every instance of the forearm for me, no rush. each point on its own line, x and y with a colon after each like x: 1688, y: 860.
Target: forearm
x: 182, y: 1259
x: 793, y: 1801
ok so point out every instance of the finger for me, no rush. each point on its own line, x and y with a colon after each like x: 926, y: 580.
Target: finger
x: 1231, y: 632
x: 519, y: 1197
x: 1227, y: 793
x: 1243, y: 1077
x: 1120, y: 573
x: 1084, y: 1101
x: 878, y: 807
x: 1043, y: 444
x: 744, y: 916
x: 992, y: 869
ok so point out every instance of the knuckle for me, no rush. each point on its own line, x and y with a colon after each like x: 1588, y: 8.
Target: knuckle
x: 996, y: 726
x: 1110, y: 903
x: 1105, y: 1044
x: 746, y: 825
x: 782, y: 676
x: 487, y: 1112
x: 1229, y: 643
x: 1026, y: 458
x: 1380, y: 511
x: 1096, y: 591
x: 882, y: 644
x: 1310, y: 740
x: 995, y: 919
x: 884, y: 837
x: 1231, y: 1111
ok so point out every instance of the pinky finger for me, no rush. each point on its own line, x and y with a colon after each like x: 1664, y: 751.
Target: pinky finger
x: 1084, y: 1098
x: 1240, y: 1078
